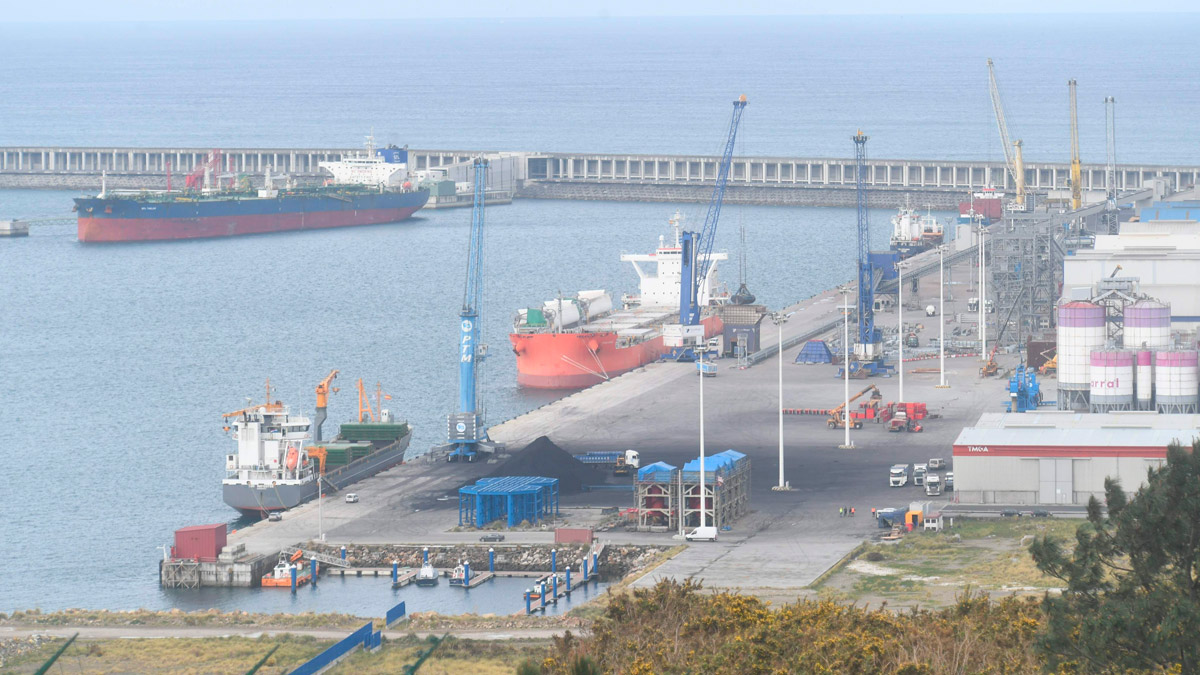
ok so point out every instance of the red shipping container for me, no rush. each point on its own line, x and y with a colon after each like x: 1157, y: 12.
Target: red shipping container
x: 572, y: 535
x: 202, y: 542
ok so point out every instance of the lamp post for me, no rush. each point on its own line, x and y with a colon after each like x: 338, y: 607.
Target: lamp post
x: 900, y: 326
x: 942, y: 315
x: 982, y: 295
x: 702, y: 489
x: 780, y: 318
x: 846, y: 445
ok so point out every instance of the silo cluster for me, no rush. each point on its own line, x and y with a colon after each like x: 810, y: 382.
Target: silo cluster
x: 1145, y: 372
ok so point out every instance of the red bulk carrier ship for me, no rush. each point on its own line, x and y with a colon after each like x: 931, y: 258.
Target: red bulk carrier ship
x: 578, y: 341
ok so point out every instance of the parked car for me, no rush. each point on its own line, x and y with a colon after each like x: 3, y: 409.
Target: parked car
x: 1010, y: 513
x: 492, y: 536
x: 1041, y: 513
x: 948, y: 480
x: 274, y: 516
x: 352, y: 498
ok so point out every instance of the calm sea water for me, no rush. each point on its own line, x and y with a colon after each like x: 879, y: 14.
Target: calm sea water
x: 117, y: 361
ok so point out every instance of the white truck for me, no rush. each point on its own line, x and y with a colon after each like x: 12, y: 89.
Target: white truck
x: 702, y: 534
x: 933, y: 485
x: 919, y: 471
x: 898, y: 476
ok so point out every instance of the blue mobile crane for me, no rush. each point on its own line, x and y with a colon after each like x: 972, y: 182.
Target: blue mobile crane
x: 695, y: 254
x: 466, y: 433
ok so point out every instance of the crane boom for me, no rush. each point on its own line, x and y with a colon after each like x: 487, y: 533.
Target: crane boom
x: 697, y: 250
x: 1076, y: 169
x: 1011, y: 153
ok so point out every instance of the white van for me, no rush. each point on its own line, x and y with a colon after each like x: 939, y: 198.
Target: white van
x: 702, y: 534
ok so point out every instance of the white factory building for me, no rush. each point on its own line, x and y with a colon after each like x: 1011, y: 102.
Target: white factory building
x: 1062, y: 457
x: 1164, y: 255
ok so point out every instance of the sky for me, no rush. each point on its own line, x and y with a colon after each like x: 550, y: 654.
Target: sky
x: 233, y: 10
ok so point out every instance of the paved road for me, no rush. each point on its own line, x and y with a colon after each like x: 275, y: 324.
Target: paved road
x: 143, y: 632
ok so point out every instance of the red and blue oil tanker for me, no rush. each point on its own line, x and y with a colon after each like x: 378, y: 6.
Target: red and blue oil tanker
x: 365, y: 190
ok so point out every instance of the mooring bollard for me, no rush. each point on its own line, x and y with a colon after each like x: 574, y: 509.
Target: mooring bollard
x: 492, y: 560
x: 553, y: 560
x: 312, y: 568
x: 293, y: 578
x: 466, y: 574
x: 528, y: 610
x: 568, y: 579
x: 425, y: 560
x: 343, y: 552
x: 543, y: 595
x: 395, y: 571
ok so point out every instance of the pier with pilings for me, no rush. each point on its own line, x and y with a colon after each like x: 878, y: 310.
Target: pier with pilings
x: 622, y: 177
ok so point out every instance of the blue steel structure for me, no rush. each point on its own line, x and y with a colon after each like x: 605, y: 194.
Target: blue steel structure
x: 868, y: 335
x: 466, y: 433
x: 1024, y: 392
x: 696, y: 247
x: 512, y: 498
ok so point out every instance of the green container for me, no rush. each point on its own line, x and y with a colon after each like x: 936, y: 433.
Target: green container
x: 372, y: 432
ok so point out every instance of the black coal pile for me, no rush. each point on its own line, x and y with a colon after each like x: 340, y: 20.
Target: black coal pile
x: 543, y: 458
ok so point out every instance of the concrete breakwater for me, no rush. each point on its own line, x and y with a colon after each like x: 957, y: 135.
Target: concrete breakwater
x: 615, y: 561
x: 798, y: 195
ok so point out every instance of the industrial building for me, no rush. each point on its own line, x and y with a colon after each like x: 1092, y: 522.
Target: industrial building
x: 1061, y: 457
x: 513, y: 499
x: 726, y: 492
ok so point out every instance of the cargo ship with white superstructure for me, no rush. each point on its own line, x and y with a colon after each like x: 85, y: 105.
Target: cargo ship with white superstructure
x: 276, y: 466
x: 578, y: 341
x: 913, y: 233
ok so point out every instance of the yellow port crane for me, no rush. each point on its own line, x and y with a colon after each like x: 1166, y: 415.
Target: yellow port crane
x: 1076, y: 169
x: 1012, y: 149
x: 323, y: 391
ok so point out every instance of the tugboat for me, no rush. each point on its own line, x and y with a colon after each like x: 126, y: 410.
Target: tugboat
x: 281, y: 576
x: 427, y: 575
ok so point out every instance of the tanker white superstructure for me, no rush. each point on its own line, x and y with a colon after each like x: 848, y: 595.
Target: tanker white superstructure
x: 1081, y: 331
x: 1111, y: 381
x: 385, y: 167
x: 1175, y: 381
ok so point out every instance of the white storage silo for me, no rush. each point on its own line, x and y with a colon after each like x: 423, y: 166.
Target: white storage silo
x: 1112, y: 381
x: 1145, y: 380
x: 1175, y: 382
x: 1147, y: 325
x: 1081, y: 331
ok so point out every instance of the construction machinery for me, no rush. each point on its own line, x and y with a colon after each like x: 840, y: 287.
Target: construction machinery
x: 1076, y: 172
x: 1109, y: 219
x: 837, y: 417
x: 1049, y: 366
x: 323, y: 391
x: 1024, y: 393
x: 696, y: 251
x: 990, y: 368
x: 466, y: 433
x: 1012, y: 149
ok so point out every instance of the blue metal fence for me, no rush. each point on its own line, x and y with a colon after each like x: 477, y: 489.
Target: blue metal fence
x: 363, y: 637
x: 394, y: 614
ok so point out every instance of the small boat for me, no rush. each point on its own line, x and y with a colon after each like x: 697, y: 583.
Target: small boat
x: 549, y: 579
x: 458, y: 576
x: 281, y: 576
x: 427, y: 576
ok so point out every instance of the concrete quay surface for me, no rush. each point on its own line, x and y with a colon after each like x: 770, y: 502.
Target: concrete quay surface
x: 789, y: 539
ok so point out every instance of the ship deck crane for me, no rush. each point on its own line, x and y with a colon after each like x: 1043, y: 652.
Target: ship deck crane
x: 696, y: 249
x: 466, y: 434
x: 1012, y: 149
x: 837, y: 417
x: 324, y: 388
x: 1076, y: 167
